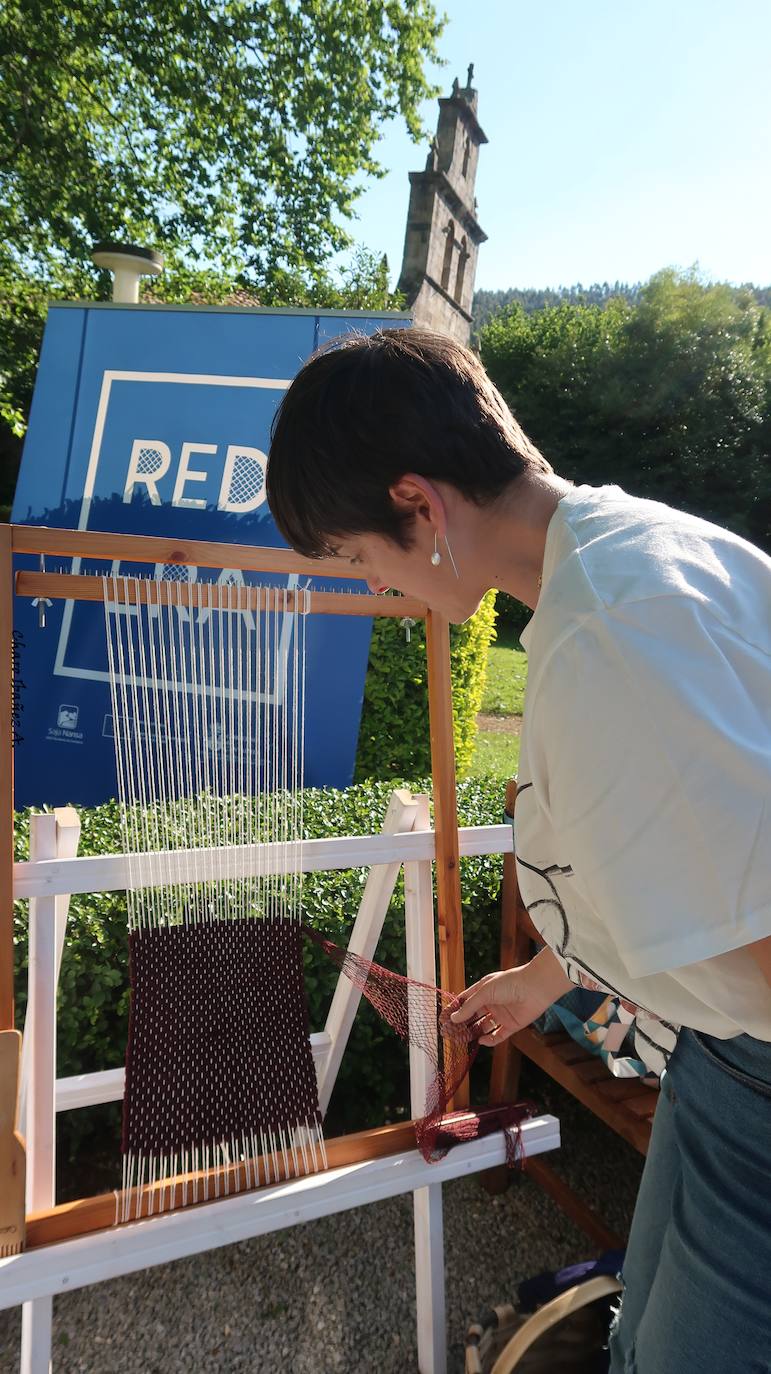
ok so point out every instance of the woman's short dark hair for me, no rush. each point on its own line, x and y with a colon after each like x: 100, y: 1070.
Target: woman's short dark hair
x: 365, y: 410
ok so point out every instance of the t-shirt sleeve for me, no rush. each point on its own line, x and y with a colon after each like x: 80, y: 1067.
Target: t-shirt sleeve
x: 650, y: 748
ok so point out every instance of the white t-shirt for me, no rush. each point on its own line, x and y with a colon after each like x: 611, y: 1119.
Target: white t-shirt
x: 643, y: 819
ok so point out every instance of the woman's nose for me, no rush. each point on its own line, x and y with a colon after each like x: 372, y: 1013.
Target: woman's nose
x: 376, y: 586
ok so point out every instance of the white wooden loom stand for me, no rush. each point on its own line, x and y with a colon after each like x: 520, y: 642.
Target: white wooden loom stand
x: 52, y: 874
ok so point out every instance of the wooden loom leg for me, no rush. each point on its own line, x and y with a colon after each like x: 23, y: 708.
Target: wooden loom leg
x: 36, y: 1336
x: 11, y: 1148
x: 452, y: 970
x: 429, y: 1279
x: 12, y: 1158
x: 427, y: 1202
x: 6, y: 780
x: 67, y: 841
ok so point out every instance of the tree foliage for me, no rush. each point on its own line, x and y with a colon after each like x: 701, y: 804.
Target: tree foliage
x: 229, y: 134
x: 228, y: 131
x: 669, y: 397
x: 487, y: 304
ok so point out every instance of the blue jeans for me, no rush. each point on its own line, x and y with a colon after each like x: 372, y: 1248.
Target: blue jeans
x: 697, y: 1273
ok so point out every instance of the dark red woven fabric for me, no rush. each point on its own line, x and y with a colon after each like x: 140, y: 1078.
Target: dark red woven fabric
x: 218, y: 1035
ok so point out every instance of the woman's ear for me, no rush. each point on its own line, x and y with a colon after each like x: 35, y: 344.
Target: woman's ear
x: 414, y: 494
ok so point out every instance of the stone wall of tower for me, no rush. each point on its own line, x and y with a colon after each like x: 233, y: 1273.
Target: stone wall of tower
x: 458, y: 149
x: 431, y: 310
x: 442, y: 235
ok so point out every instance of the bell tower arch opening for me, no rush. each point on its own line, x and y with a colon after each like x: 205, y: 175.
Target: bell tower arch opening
x: 449, y: 249
x: 463, y: 255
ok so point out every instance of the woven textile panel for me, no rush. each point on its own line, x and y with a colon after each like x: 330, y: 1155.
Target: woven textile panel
x: 218, y: 1036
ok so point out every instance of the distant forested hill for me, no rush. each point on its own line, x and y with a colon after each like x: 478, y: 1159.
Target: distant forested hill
x: 488, y: 303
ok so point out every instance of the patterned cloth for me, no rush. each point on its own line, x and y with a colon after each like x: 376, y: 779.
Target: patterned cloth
x: 603, y: 1026
x: 606, y: 1031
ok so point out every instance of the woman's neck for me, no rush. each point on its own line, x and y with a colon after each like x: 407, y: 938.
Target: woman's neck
x: 511, y: 536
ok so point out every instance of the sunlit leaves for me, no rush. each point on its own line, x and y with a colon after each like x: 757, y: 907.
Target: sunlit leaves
x: 394, y: 735
x: 668, y: 396
x: 231, y: 129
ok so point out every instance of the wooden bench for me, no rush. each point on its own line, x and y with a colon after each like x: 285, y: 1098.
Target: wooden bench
x: 627, y: 1105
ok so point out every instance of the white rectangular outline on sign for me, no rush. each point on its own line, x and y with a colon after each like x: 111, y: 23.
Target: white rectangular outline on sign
x: 190, y: 378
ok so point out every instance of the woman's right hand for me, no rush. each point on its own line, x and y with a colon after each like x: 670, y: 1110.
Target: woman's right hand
x: 502, y: 1003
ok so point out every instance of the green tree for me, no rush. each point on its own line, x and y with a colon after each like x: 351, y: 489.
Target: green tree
x: 231, y: 135
x: 229, y: 131
x: 361, y: 284
x: 489, y: 303
x: 670, y: 397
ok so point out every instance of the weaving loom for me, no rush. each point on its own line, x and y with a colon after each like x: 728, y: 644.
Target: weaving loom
x: 208, y: 690
x: 208, y: 711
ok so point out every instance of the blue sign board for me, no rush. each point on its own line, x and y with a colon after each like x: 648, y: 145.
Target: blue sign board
x: 156, y: 420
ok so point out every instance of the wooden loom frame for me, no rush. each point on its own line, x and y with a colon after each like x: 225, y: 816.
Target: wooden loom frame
x: 54, y: 872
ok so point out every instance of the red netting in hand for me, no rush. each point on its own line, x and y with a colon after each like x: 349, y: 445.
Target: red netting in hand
x: 419, y: 1013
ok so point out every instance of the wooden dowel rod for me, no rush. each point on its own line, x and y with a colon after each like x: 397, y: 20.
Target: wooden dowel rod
x: 96, y: 1213
x: 144, y: 548
x: 452, y: 971
x: 452, y: 968
x: 6, y: 780
x: 76, y: 587
x: 70, y: 1219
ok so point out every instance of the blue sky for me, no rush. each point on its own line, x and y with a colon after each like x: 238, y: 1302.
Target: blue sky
x: 625, y: 136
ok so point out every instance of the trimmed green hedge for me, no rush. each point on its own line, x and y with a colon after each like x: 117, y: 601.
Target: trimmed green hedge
x: 372, y: 1085
x: 393, y: 737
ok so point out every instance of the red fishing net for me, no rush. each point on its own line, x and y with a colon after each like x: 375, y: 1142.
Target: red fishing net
x: 420, y: 1015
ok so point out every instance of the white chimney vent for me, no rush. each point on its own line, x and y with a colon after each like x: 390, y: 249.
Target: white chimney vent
x: 128, y: 262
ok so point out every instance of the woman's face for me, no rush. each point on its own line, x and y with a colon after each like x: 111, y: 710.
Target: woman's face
x: 384, y: 565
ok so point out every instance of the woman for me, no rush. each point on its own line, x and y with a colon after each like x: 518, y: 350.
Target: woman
x: 643, y: 817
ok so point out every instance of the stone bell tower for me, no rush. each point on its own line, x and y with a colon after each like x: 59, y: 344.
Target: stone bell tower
x: 443, y: 234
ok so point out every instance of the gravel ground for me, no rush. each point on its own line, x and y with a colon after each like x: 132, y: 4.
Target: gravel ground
x: 338, y: 1293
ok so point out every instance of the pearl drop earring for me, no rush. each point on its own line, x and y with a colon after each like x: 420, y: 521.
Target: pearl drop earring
x: 436, y: 557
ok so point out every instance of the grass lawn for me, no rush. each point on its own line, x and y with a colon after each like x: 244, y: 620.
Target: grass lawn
x: 496, y: 754
x: 506, y: 676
